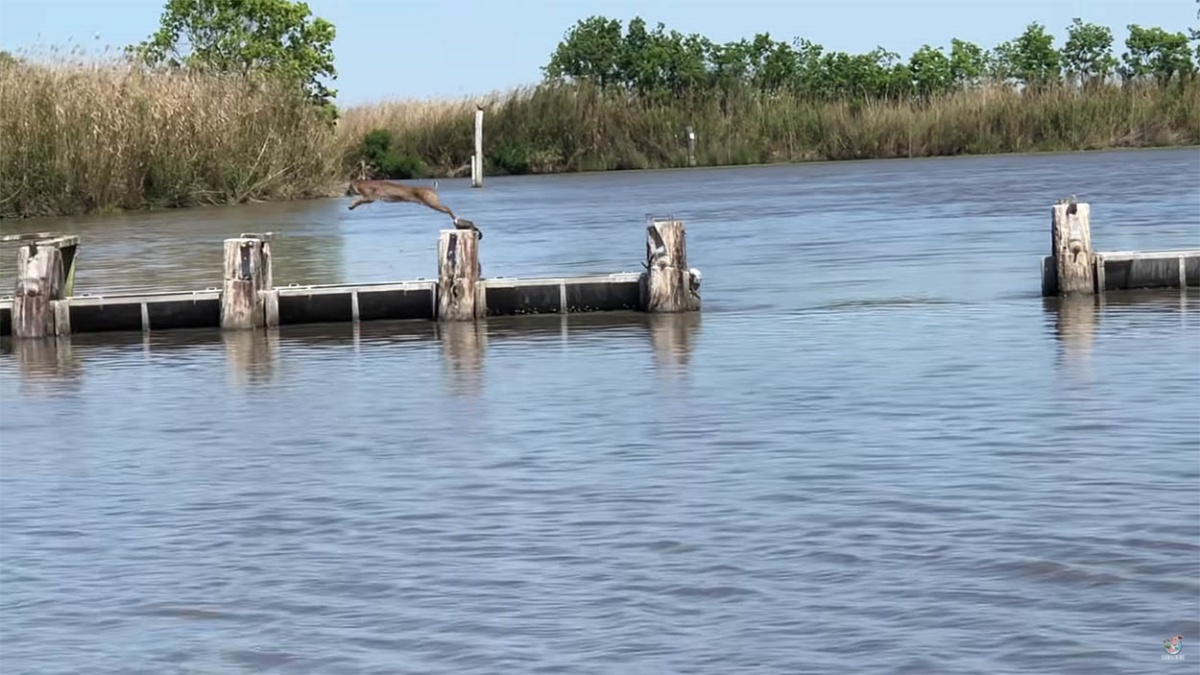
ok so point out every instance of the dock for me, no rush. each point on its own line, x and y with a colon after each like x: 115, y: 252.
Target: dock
x: 1073, y: 268
x: 44, y: 304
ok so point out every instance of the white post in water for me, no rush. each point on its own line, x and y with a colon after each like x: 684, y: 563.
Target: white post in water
x: 691, y: 141
x: 477, y: 158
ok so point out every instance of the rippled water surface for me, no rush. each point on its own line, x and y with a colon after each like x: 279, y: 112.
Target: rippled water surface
x: 877, y: 449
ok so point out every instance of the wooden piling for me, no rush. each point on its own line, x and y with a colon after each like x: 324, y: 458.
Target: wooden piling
x: 40, y: 281
x: 247, y: 275
x: 1071, y: 246
x: 477, y: 159
x: 670, y: 286
x: 460, y: 296
x: 691, y: 145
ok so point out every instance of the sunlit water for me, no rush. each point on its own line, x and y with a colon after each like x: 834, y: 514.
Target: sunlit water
x: 877, y: 449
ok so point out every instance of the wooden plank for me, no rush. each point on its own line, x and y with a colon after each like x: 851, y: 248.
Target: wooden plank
x: 670, y: 285
x: 1150, y: 255
x: 616, y: 278
x: 89, y: 299
x: 270, y: 300
x: 40, y: 279
x: 295, y: 290
x: 1071, y: 245
x: 247, y: 273
x: 62, y: 316
x: 460, y: 296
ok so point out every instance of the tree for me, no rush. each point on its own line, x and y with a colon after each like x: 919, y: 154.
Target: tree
x: 1153, y: 52
x: 1030, y: 58
x: 968, y: 62
x: 273, y: 37
x: 932, y: 71
x: 1087, y: 54
x: 591, y: 50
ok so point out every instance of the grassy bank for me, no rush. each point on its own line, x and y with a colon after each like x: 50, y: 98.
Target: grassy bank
x: 82, y: 138
x: 85, y: 137
x: 574, y: 128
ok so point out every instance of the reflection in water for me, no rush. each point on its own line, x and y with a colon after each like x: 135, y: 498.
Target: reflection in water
x: 46, y: 362
x: 464, y: 346
x: 1076, y: 319
x: 672, y: 336
x: 251, y: 355
x: 1075, y: 327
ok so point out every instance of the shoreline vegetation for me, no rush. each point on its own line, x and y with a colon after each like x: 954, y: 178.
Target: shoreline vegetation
x: 101, y: 135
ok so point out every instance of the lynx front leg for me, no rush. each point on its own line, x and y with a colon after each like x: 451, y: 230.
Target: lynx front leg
x: 359, y: 201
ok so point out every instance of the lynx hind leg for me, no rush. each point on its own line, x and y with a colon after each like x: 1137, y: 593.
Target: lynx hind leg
x: 359, y: 201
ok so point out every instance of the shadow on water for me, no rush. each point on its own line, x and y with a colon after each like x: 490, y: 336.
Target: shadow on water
x: 254, y: 357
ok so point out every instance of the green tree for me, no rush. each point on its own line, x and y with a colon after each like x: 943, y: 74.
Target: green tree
x: 1030, y: 58
x: 932, y: 71
x: 274, y: 37
x: 591, y: 50
x: 1087, y: 54
x: 968, y: 62
x: 1153, y: 52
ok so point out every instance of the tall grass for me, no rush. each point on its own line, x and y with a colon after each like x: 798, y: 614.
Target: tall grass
x: 575, y: 128
x: 84, y: 137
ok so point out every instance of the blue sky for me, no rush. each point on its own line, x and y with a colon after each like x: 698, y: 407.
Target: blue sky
x: 406, y: 49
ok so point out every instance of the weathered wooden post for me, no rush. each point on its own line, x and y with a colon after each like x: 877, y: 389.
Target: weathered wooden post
x: 477, y: 158
x: 247, y: 276
x: 691, y: 141
x: 460, y: 296
x: 1071, y: 246
x: 669, y: 284
x: 38, y: 308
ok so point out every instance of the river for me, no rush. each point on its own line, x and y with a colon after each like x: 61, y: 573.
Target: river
x: 876, y: 449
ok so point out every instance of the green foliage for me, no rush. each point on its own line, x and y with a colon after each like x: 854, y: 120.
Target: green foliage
x: 619, y: 97
x: 1030, y: 58
x: 511, y: 158
x: 578, y: 127
x: 1087, y: 54
x: 377, y: 152
x: 660, y: 65
x: 1153, y: 52
x: 272, y: 37
x: 968, y: 62
x: 591, y: 50
x: 932, y: 71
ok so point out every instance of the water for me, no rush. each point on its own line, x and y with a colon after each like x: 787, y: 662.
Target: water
x: 877, y: 449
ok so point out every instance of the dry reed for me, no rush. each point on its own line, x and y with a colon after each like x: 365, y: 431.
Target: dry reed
x: 83, y: 137
x: 86, y: 137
